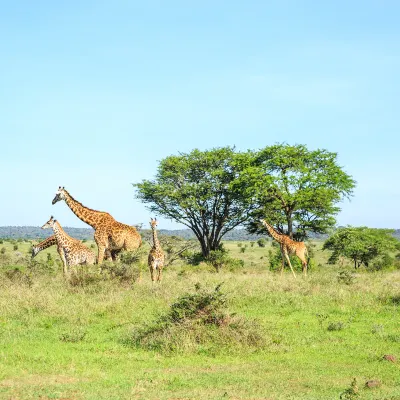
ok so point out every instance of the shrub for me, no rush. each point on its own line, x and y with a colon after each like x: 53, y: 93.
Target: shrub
x: 336, y: 326
x: 346, y: 277
x: 239, y: 244
x: 383, y: 262
x: 3, y: 250
x: 252, y: 244
x: 1, y: 241
x: 199, y: 322
x: 261, y: 242
x: 243, y: 249
x: 122, y: 271
x: 15, y: 247
x: 220, y: 258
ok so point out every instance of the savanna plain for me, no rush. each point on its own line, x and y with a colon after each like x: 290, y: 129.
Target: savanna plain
x: 317, y: 337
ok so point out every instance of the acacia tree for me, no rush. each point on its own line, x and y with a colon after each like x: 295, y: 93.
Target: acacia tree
x: 297, y: 190
x: 360, y: 244
x: 202, y: 190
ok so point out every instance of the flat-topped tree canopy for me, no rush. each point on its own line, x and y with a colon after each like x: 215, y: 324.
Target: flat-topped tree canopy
x: 202, y: 190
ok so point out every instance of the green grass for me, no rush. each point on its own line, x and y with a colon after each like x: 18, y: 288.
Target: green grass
x: 63, y: 342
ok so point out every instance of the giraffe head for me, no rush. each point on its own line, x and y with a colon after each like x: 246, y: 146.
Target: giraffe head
x: 153, y: 223
x: 35, y: 251
x: 60, y: 195
x: 50, y: 223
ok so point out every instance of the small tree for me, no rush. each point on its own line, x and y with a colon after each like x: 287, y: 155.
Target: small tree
x: 298, y: 190
x: 202, y: 190
x: 360, y: 244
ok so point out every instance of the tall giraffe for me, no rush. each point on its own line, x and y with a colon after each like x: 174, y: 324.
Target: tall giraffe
x: 289, y: 246
x: 110, y: 235
x: 156, y: 255
x: 75, y: 252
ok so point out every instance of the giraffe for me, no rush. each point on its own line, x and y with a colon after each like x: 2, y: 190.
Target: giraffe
x: 156, y: 255
x: 75, y: 252
x: 110, y: 235
x: 50, y: 241
x: 289, y: 246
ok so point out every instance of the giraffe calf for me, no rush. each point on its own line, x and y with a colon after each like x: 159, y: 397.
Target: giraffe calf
x: 75, y: 253
x: 156, y: 256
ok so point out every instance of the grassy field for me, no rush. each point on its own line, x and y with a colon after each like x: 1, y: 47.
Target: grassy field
x: 64, y: 342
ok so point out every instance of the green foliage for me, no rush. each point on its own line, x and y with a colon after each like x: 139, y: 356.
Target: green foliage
x: 3, y: 250
x: 346, y: 277
x: 1, y: 241
x: 297, y: 188
x: 15, y: 247
x: 362, y: 245
x: 221, y: 259
x: 383, y: 262
x: 202, y: 190
x: 199, y: 322
x: 261, y: 242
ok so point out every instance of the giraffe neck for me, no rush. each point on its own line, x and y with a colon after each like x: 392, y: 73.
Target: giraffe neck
x: 156, y: 243
x: 50, y: 241
x: 85, y: 214
x: 277, y: 236
x: 60, y: 234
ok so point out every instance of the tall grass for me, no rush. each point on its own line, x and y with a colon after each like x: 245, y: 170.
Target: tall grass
x: 318, y: 334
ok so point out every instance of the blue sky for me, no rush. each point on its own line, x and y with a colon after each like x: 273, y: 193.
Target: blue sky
x: 94, y: 93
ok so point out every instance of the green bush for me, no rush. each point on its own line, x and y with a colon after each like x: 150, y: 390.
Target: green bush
x: 199, y: 322
x: 3, y: 250
x: 261, y: 242
x: 221, y: 259
x: 346, y: 277
x: 381, y: 263
x: 15, y: 247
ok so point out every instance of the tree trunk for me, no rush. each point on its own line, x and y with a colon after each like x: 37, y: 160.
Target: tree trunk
x: 355, y: 264
x: 290, y: 226
x: 205, y: 250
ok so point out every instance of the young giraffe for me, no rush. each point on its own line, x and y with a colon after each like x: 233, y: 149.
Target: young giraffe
x: 156, y: 255
x: 50, y: 241
x: 75, y: 252
x: 110, y: 235
x: 289, y: 246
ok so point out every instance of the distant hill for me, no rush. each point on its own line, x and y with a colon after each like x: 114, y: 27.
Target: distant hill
x: 35, y: 232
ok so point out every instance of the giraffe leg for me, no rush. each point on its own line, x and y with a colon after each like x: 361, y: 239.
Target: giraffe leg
x: 305, y: 266
x: 152, y: 273
x: 290, y: 264
x: 283, y: 260
x: 303, y: 260
x: 159, y: 274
